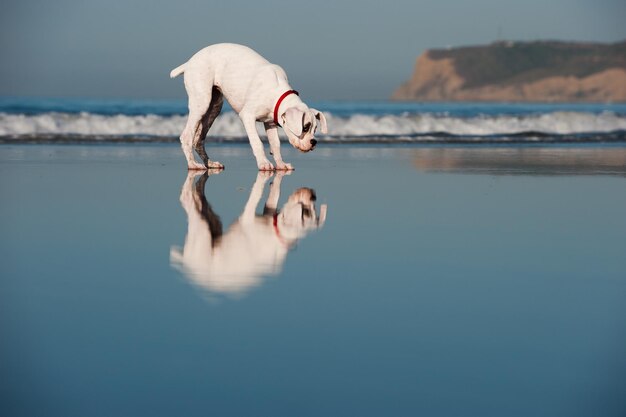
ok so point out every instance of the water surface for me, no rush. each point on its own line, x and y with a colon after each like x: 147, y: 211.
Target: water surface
x: 442, y: 281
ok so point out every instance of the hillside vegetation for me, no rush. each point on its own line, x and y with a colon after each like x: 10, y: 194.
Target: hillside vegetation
x: 520, y: 71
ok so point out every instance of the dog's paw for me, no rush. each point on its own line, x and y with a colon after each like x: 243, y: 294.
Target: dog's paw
x: 215, y: 165
x: 191, y: 166
x: 265, y: 175
x: 283, y: 166
x: 265, y: 166
x: 215, y: 171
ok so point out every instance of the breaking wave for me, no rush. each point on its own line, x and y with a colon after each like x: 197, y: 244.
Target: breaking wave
x: 565, y: 125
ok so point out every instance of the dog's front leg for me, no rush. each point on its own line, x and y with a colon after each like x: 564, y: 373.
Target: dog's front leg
x: 274, y: 195
x: 272, y: 136
x: 249, y: 123
x: 256, y: 192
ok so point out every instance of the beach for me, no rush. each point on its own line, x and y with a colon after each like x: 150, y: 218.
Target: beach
x: 416, y: 279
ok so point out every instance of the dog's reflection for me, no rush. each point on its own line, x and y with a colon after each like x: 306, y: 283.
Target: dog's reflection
x: 254, y: 246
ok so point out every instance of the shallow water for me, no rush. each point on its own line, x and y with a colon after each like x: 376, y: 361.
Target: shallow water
x: 440, y: 281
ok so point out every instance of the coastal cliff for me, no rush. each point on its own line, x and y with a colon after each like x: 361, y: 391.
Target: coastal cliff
x: 543, y: 71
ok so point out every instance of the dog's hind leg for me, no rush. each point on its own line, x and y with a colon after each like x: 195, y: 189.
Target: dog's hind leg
x: 209, y: 117
x: 191, y: 131
x: 199, y: 103
x: 206, y: 211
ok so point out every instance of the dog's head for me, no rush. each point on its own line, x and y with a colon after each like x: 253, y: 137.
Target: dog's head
x: 300, y: 125
x: 298, y: 215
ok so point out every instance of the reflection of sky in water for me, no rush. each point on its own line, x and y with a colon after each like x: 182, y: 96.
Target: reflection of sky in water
x: 430, y: 291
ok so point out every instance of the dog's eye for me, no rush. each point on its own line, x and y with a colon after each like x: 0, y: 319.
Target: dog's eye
x: 306, y: 127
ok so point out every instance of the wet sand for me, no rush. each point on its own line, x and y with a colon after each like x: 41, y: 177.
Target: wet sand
x: 372, y: 281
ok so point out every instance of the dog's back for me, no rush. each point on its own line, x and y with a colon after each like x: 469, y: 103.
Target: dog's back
x: 220, y: 57
x: 230, y: 67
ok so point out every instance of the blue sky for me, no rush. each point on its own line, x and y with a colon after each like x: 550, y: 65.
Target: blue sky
x: 342, y: 49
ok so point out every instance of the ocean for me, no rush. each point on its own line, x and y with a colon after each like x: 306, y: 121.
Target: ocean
x: 82, y: 120
x: 482, y: 275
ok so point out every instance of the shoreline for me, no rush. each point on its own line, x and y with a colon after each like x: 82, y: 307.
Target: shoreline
x: 573, y: 159
x: 617, y: 137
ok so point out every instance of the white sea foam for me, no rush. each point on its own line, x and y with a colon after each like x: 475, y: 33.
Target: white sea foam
x: 88, y: 124
x: 548, y: 123
x: 228, y: 124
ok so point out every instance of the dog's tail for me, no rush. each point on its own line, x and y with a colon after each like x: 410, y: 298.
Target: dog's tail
x: 177, y: 71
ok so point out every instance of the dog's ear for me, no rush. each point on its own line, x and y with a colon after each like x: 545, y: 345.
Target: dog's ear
x: 322, y: 219
x: 320, y: 116
x: 293, y: 118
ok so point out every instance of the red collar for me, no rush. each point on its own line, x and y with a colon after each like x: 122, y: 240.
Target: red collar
x: 278, y: 235
x: 280, y: 100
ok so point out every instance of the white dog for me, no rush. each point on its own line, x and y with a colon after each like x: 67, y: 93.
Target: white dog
x: 257, y: 90
x: 253, y: 246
